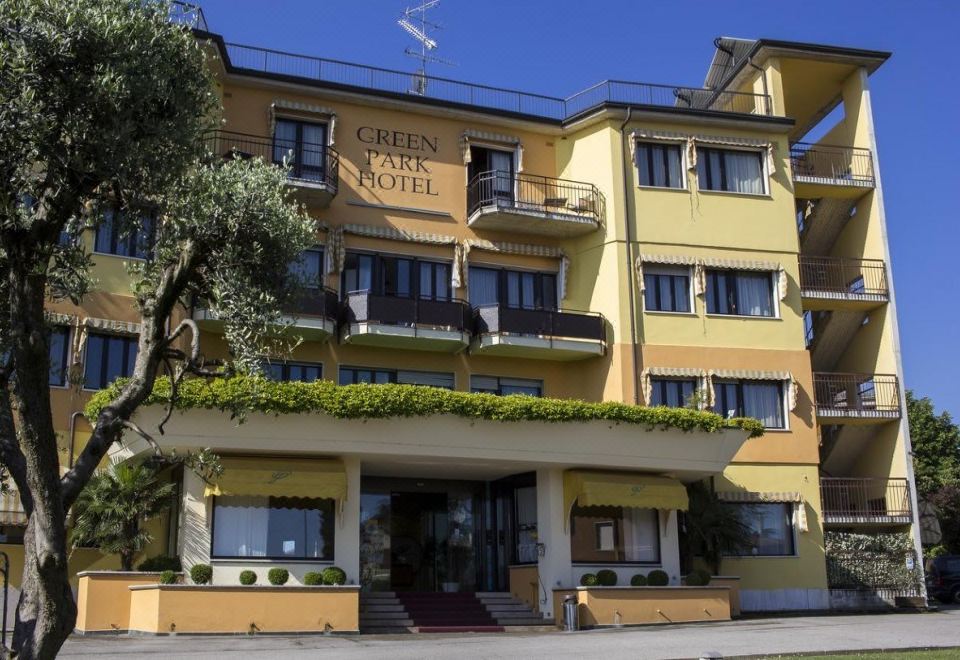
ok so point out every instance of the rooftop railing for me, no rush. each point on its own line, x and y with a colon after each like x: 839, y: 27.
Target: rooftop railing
x: 188, y: 14
x: 535, y: 193
x: 824, y: 163
x: 402, y: 83
x: 842, y: 276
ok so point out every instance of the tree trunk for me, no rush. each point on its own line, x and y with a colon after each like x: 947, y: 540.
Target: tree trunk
x: 46, y: 613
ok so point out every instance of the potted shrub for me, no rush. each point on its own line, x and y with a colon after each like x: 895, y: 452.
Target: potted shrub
x: 168, y: 577
x: 698, y: 578
x: 247, y: 578
x: 607, y: 578
x: 201, y: 573
x: 638, y: 580
x: 313, y: 578
x: 278, y: 576
x: 589, y: 580
x: 334, y: 575
x: 658, y: 578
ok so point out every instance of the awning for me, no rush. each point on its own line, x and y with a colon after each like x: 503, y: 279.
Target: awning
x: 281, y: 477
x: 11, y: 509
x: 800, y: 510
x: 642, y: 491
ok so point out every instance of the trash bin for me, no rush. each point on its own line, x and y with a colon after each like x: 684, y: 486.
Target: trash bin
x: 571, y: 614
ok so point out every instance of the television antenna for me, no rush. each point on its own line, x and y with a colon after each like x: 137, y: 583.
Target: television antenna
x: 414, y: 22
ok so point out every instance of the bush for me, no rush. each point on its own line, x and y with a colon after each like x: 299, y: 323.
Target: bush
x: 658, y: 578
x: 589, y: 580
x: 312, y: 578
x: 161, y: 563
x: 201, y: 573
x: 278, y: 576
x: 607, y: 578
x: 247, y: 578
x: 334, y: 576
x: 936, y: 551
x: 698, y: 578
x: 638, y: 580
x: 168, y: 577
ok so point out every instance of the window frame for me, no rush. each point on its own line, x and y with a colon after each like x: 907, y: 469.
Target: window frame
x: 473, y: 170
x: 618, y: 532
x: 321, y: 274
x: 285, y: 369
x: 741, y: 411
x: 670, y: 271
x: 730, y: 275
x: 65, y: 357
x: 661, y: 382
x: 793, y: 531
x: 126, y: 339
x: 377, y: 274
x: 499, y: 391
x: 503, y: 292
x: 299, y: 166
x: 131, y: 239
x: 703, y: 152
x: 393, y: 375
x: 653, y: 142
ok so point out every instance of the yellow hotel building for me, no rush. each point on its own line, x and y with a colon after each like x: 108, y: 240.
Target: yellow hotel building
x: 645, y: 244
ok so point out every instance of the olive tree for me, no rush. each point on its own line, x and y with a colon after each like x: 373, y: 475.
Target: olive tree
x: 103, y: 105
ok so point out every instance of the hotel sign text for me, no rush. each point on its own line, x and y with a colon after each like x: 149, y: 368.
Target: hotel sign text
x: 397, y: 160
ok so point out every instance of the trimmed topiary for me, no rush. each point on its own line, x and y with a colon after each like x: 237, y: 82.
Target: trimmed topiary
x: 658, y: 578
x: 312, y: 578
x: 607, y: 578
x: 334, y: 575
x: 161, y: 563
x: 698, y: 578
x: 278, y: 576
x: 638, y: 580
x: 247, y: 578
x: 589, y: 580
x: 201, y: 573
x: 168, y: 577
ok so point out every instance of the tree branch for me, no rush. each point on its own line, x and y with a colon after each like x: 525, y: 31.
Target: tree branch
x: 10, y: 454
x: 143, y: 434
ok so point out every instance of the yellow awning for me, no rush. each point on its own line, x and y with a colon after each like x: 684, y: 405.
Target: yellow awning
x: 281, y: 477
x: 642, y: 491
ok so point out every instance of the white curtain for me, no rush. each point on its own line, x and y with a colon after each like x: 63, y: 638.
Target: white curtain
x: 764, y: 401
x: 641, y: 536
x: 284, y: 140
x: 483, y: 286
x: 744, y: 172
x: 240, y: 531
x: 314, y: 144
x: 754, y: 295
x: 502, y: 163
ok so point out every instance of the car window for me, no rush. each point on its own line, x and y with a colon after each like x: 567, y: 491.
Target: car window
x: 952, y: 566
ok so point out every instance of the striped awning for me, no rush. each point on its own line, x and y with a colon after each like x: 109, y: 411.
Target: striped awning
x: 663, y: 259
x: 11, y: 509
x: 646, y: 384
x: 795, y: 498
x: 692, y: 140
x: 748, y: 264
x: 110, y: 325
x: 286, y: 107
x: 281, y: 477
x: 489, y: 136
x: 528, y: 249
x: 751, y: 374
x: 397, y: 234
x: 627, y: 489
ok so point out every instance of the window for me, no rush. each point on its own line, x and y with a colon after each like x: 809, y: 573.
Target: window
x: 771, y: 528
x: 108, y: 357
x: 614, y: 534
x: 513, y: 288
x: 740, y: 293
x: 305, y: 372
x: 434, y: 280
x: 308, y: 269
x: 505, y: 386
x: 525, y: 505
x: 59, y: 354
x: 760, y: 399
x: 730, y: 170
x: 273, y: 527
x: 116, y: 236
x: 357, y: 272
x: 12, y: 534
x: 666, y: 289
x: 672, y: 392
x: 659, y: 165
x: 497, y: 165
x: 396, y: 276
x: 353, y: 375
x: 305, y: 144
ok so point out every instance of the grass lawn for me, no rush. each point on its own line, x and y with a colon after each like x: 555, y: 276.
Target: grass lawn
x: 937, y: 654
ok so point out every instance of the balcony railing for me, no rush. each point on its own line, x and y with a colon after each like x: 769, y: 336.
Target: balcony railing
x: 188, y: 14
x: 319, y: 303
x: 539, y: 323
x: 816, y: 163
x: 857, y: 395
x: 311, y: 164
x: 840, y: 277
x: 366, y: 307
x: 865, y: 500
x: 402, y: 83
x: 530, y: 192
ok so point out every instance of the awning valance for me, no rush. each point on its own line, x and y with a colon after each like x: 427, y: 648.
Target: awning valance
x: 489, y: 137
x: 461, y: 267
x: 11, y: 509
x: 287, y: 108
x: 750, y: 374
x: 794, y: 498
x: 746, y: 264
x: 642, y: 491
x: 281, y: 477
x: 670, y: 372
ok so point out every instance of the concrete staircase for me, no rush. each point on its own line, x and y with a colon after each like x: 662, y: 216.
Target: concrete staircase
x: 407, y: 612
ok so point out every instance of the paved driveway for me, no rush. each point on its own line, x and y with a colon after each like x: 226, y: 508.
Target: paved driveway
x: 746, y: 637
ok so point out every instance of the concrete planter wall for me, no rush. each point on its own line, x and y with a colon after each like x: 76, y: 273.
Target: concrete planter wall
x: 103, y: 599
x: 614, y: 606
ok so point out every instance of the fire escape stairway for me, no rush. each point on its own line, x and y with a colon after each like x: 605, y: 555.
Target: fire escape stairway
x: 832, y: 336
x: 823, y: 224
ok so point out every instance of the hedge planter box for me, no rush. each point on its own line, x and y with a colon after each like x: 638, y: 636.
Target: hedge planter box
x: 601, y: 607
x: 728, y: 581
x: 179, y: 608
x: 103, y: 599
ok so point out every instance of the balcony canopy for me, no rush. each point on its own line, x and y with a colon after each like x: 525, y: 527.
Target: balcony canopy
x: 629, y: 489
x: 278, y: 477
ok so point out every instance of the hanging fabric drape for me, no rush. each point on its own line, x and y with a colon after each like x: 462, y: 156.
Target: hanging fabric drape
x: 795, y: 498
x: 335, y: 252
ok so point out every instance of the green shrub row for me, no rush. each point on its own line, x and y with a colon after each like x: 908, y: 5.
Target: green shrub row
x: 161, y: 563
x: 240, y: 395
x: 608, y: 578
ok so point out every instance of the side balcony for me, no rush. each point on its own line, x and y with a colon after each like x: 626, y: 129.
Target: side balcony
x: 869, y: 501
x: 314, y: 168
x: 840, y: 283
x: 313, y: 314
x: 539, y: 334
x: 408, y: 323
x: 845, y: 398
x: 823, y: 170
x: 531, y: 204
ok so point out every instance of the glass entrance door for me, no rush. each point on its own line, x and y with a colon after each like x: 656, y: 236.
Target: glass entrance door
x: 419, y: 526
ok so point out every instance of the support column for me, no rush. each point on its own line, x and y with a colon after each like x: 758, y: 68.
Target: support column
x: 554, y: 567
x: 669, y: 544
x: 194, y: 534
x: 346, y: 544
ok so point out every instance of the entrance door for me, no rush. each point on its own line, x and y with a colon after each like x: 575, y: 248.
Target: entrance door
x: 419, y: 524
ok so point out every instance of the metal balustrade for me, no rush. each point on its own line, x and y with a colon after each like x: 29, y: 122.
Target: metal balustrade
x: 842, y: 276
x: 852, y: 500
x: 367, y: 307
x: 822, y: 163
x: 539, y: 322
x: 531, y: 192
x: 857, y: 395
x: 314, y: 302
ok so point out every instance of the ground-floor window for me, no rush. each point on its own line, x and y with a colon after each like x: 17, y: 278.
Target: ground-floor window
x: 12, y: 534
x: 614, y: 534
x: 273, y: 527
x: 771, y: 528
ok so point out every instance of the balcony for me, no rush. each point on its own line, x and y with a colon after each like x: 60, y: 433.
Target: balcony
x: 312, y: 314
x: 314, y: 176
x: 865, y: 501
x: 530, y: 204
x: 839, y: 283
x: 407, y: 323
x: 821, y: 170
x: 538, y: 334
x: 851, y: 398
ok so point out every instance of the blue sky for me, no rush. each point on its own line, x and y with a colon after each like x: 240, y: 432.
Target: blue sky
x: 556, y: 47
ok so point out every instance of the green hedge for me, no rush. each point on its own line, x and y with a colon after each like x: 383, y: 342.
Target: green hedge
x: 239, y: 395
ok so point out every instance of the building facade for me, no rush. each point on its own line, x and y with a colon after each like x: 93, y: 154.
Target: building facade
x: 649, y: 245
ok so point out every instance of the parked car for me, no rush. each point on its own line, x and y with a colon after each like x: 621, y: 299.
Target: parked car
x: 943, y: 578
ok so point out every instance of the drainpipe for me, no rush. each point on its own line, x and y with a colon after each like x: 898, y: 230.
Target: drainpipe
x: 631, y: 296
